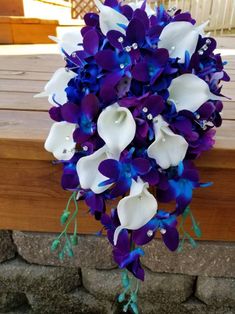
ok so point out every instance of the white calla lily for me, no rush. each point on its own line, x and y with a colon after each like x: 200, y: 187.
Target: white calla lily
x: 189, y: 92
x: 88, y: 172
x: 116, y: 126
x: 55, y: 88
x: 110, y: 19
x: 137, y: 209
x: 60, y: 140
x: 138, y: 4
x: 69, y: 41
x: 179, y: 37
x: 168, y: 149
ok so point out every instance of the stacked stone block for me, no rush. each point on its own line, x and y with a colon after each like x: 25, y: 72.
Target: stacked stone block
x: 34, y: 280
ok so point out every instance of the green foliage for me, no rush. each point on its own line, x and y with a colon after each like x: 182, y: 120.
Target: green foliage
x: 195, y: 227
x: 67, y: 219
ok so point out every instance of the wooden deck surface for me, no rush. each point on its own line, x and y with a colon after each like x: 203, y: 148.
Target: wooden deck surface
x: 30, y: 194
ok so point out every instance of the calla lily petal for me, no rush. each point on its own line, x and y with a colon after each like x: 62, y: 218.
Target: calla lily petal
x: 69, y: 41
x: 135, y: 210
x: 116, y: 126
x: 168, y: 149
x: 179, y: 37
x: 60, y: 140
x: 55, y: 88
x: 189, y: 92
x: 88, y: 173
x: 110, y: 19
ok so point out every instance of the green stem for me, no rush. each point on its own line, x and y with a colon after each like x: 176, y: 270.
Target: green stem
x: 72, y: 218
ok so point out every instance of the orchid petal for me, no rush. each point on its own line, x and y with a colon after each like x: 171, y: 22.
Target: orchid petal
x: 60, y: 140
x: 179, y: 37
x: 135, y: 210
x: 189, y: 92
x: 88, y: 173
x: 110, y: 19
x: 138, y: 5
x: 168, y: 149
x: 116, y: 126
x: 55, y: 88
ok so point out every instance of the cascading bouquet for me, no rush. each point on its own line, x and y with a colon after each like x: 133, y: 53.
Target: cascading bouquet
x: 136, y: 102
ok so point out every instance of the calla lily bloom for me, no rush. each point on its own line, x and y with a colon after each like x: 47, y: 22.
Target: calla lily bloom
x: 60, y: 140
x: 168, y: 149
x: 179, y: 37
x: 110, y: 19
x: 69, y: 41
x: 116, y: 126
x: 55, y: 88
x: 88, y: 173
x: 189, y: 92
x: 135, y: 210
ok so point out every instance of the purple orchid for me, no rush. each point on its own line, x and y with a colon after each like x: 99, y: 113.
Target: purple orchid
x: 164, y: 222
x: 122, y: 172
x: 84, y: 116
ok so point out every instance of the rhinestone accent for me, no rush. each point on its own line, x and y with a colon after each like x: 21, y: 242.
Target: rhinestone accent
x: 85, y: 148
x: 145, y: 109
x: 128, y: 49
x: 67, y: 138
x: 150, y: 233
x: 163, y: 231
x: 122, y: 66
x: 120, y: 40
x: 135, y: 46
x: 149, y: 117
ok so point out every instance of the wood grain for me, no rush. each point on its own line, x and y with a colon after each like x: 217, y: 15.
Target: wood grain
x: 22, y: 101
x: 36, y: 63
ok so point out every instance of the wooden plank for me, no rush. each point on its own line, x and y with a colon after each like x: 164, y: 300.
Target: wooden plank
x: 23, y: 125
x: 13, y: 7
x: 32, y: 33
x: 22, y: 101
x: 6, y: 36
x: 32, y: 200
x: 25, y: 75
x: 30, y: 86
x: 37, y: 63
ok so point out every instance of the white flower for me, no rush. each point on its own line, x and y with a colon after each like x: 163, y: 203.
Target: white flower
x: 179, y: 37
x: 189, y: 92
x: 135, y: 210
x: 110, y: 19
x: 88, y: 172
x: 138, y: 4
x: 116, y: 126
x: 60, y: 140
x: 168, y: 149
x: 69, y: 42
x: 55, y: 88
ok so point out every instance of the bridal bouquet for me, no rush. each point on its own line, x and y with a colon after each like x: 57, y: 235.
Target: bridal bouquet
x: 135, y: 104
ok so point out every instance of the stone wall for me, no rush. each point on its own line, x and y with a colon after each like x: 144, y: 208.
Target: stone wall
x: 33, y: 280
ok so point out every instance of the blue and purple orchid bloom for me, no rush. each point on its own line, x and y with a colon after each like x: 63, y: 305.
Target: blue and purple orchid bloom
x: 134, y: 106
